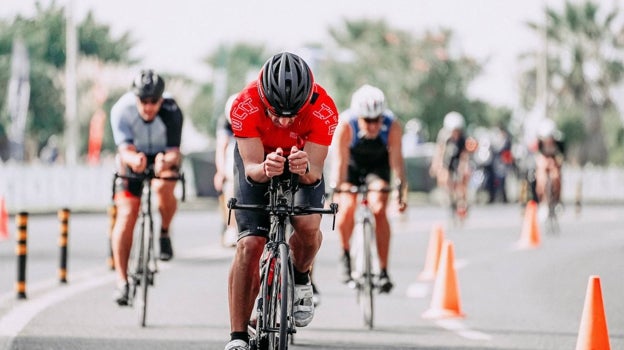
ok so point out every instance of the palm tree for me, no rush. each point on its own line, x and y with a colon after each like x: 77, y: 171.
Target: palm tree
x: 583, y: 66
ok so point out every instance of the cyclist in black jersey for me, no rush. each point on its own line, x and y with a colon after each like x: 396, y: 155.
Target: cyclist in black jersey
x: 147, y: 128
x: 450, y: 162
x: 367, y: 148
x: 549, y: 159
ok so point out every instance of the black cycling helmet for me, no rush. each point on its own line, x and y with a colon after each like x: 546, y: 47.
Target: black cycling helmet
x: 285, y: 84
x: 148, y: 84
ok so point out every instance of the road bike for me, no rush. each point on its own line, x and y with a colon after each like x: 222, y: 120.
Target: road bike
x: 365, y: 270
x: 553, y: 207
x: 143, y: 262
x: 274, y: 322
x: 458, y: 201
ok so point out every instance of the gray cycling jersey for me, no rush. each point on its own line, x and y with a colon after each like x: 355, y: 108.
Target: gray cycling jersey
x: 159, y: 135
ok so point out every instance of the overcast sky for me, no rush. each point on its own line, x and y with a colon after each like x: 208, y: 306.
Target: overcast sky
x: 174, y: 36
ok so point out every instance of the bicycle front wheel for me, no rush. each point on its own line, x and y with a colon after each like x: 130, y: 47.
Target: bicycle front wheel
x: 366, y: 289
x: 148, y: 243
x: 286, y: 296
x: 275, y: 308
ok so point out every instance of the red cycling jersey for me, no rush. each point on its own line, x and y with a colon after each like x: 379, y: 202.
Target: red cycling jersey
x: 315, y: 122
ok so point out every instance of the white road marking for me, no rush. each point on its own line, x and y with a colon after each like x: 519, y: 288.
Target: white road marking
x: 13, y: 322
x: 46, y: 294
x: 459, y: 328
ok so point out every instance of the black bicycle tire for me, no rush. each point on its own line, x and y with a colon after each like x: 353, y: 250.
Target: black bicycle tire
x: 147, y: 251
x: 367, y: 301
x: 270, y: 299
x: 135, y: 274
x: 552, y: 221
x: 285, y: 294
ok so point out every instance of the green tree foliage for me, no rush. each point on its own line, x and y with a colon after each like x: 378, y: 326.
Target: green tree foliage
x: 422, y: 77
x: 235, y: 64
x: 44, y: 36
x: 583, y: 65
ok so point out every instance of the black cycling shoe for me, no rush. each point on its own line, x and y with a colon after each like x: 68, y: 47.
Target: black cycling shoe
x: 345, y: 268
x: 121, y: 295
x: 166, y: 251
x: 385, y: 285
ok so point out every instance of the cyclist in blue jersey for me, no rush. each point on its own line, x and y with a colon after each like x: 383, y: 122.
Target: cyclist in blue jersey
x: 147, y: 128
x: 367, y: 148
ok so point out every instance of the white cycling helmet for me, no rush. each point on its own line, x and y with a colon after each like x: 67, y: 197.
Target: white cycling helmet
x: 547, y: 128
x: 228, y: 107
x: 368, y: 102
x: 413, y: 126
x: 453, y: 120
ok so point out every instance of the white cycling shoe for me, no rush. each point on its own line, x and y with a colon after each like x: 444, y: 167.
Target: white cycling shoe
x: 237, y: 344
x: 303, y: 310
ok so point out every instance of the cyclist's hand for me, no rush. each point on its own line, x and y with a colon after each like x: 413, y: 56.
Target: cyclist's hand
x: 274, y: 163
x: 159, y: 163
x: 298, y: 162
x: 138, y: 163
x: 402, y: 206
x: 218, y: 181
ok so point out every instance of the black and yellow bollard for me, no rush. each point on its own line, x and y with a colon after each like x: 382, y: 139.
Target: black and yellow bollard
x: 20, y: 250
x: 63, y: 216
x: 112, y: 214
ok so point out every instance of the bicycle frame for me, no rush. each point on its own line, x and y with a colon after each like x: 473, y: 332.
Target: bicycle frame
x: 144, y: 264
x: 274, y: 309
x: 364, y: 253
x: 552, y: 220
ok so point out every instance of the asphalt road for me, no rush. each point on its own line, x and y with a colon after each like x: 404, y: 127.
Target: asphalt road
x: 511, y: 298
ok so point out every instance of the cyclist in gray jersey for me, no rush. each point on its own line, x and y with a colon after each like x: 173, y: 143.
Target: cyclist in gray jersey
x: 147, y: 128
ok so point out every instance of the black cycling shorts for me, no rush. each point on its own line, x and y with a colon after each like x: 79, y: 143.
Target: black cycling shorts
x: 246, y: 191
x: 131, y: 187
x: 359, y: 176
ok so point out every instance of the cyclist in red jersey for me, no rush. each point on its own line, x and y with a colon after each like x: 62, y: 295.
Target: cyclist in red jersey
x: 283, y: 115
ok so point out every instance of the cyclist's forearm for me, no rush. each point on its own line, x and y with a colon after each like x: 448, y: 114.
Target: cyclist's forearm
x: 256, y: 172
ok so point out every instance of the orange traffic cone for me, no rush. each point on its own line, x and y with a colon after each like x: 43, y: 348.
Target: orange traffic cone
x: 530, y: 237
x: 4, y: 220
x: 445, y: 300
x: 433, y: 254
x: 593, y: 332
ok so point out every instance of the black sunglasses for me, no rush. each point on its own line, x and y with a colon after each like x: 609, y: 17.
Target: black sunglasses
x: 150, y: 100
x: 372, y: 120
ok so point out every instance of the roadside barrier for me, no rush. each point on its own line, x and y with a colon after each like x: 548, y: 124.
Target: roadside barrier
x: 112, y: 214
x: 21, y: 252
x: 4, y: 220
x: 445, y: 301
x: 63, y: 216
x: 530, y: 235
x: 433, y: 254
x: 593, y: 332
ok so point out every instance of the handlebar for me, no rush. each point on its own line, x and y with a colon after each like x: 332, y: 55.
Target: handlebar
x: 149, y: 175
x: 362, y: 189
x: 287, y: 210
x: 279, y: 205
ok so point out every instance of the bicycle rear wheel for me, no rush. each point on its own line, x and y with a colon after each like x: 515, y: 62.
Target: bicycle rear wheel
x: 366, y: 288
